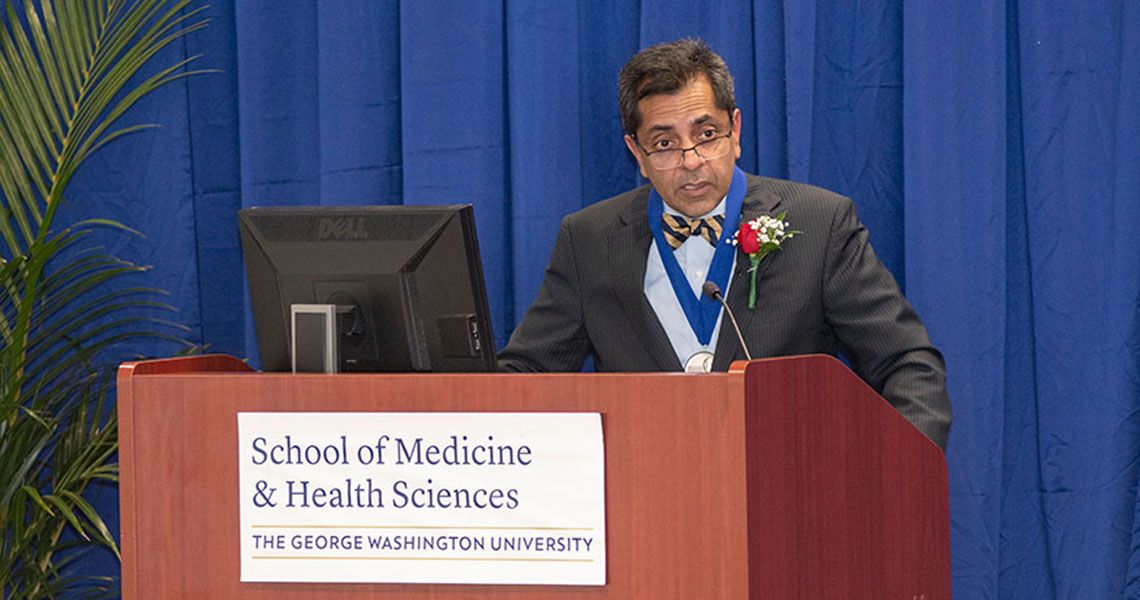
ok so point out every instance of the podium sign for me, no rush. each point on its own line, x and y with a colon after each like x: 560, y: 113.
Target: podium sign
x: 471, y: 498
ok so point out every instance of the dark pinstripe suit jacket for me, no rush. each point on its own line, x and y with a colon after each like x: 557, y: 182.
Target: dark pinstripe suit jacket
x: 824, y: 292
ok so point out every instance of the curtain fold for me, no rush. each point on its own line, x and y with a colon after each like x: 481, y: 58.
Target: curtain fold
x: 992, y: 149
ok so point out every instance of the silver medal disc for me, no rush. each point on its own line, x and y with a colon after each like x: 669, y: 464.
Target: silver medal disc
x: 700, y: 362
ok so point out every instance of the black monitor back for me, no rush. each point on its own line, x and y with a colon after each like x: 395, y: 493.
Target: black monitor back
x: 411, y: 273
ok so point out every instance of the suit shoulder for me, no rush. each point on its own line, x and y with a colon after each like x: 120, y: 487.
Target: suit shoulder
x: 796, y: 193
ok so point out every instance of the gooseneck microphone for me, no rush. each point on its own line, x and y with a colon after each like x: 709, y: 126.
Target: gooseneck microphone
x: 712, y: 290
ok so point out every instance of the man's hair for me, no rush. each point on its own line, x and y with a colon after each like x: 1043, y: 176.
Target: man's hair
x: 665, y: 69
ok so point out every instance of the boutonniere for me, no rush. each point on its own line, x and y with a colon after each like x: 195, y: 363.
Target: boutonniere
x: 759, y: 238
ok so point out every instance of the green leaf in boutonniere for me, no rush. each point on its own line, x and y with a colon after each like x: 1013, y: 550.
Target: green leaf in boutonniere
x: 759, y: 238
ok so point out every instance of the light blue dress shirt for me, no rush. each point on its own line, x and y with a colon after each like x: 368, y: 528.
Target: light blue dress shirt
x: 695, y: 256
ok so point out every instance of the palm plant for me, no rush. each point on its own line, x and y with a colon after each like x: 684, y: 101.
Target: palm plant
x: 69, y: 69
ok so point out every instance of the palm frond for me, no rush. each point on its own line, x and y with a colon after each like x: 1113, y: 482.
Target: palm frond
x: 66, y: 71
x: 69, y: 70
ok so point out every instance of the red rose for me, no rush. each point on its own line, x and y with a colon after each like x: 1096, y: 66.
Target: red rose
x: 748, y: 239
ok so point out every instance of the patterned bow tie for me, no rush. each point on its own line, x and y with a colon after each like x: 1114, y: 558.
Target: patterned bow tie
x: 678, y: 229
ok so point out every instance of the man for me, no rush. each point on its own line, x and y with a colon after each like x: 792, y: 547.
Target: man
x: 617, y: 289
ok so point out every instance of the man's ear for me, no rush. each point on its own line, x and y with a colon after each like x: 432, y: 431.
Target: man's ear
x: 736, y: 131
x: 631, y: 144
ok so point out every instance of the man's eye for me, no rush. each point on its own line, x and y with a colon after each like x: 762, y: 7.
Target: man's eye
x: 708, y: 134
x: 663, y: 144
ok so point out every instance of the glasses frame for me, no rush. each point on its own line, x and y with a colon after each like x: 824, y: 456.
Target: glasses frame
x: 694, y: 149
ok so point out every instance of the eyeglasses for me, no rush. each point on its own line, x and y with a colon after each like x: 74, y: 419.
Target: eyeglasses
x: 672, y: 158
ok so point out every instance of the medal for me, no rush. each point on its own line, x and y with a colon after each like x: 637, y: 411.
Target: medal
x: 700, y: 362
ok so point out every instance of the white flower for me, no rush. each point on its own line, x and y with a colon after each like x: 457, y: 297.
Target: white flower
x: 770, y: 233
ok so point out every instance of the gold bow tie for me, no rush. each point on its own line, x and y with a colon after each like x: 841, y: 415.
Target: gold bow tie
x: 678, y: 229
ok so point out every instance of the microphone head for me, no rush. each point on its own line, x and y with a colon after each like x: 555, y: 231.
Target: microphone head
x: 711, y: 289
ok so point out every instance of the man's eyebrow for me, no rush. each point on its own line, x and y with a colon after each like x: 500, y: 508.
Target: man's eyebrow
x: 701, y: 120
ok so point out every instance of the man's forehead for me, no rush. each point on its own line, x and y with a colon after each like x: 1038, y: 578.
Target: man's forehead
x: 691, y: 105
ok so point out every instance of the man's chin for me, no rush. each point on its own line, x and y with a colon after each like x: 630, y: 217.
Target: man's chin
x: 692, y: 207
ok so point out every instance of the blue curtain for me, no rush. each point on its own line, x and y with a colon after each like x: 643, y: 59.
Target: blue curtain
x: 992, y: 148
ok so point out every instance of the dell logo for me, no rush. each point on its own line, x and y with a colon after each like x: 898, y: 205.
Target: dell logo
x: 347, y: 228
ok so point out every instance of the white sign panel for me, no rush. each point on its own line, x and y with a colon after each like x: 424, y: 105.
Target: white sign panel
x: 479, y: 498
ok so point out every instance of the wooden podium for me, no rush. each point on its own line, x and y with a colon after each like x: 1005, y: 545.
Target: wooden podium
x: 783, y: 479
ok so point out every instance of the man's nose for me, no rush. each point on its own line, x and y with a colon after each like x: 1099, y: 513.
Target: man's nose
x: 691, y: 160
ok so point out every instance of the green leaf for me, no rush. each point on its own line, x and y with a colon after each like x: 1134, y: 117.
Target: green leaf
x: 65, y: 510
x: 95, y: 520
x: 35, y: 496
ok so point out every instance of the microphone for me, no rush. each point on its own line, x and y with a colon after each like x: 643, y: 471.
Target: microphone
x: 712, y: 290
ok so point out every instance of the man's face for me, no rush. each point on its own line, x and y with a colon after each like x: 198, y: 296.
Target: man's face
x: 681, y: 120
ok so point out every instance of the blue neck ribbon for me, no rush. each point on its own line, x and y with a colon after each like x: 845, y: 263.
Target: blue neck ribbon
x: 700, y: 310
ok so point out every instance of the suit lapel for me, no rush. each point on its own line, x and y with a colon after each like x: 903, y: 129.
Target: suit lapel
x: 628, y: 251
x: 758, y: 200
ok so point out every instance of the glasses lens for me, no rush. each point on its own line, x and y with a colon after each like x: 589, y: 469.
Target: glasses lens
x: 665, y: 159
x: 714, y: 148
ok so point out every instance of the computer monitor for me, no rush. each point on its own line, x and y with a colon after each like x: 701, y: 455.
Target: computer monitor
x: 411, y: 276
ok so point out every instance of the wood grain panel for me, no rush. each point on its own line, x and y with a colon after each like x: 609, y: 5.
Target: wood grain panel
x: 847, y: 500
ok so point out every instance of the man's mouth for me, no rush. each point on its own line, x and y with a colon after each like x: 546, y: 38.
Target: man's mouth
x: 693, y: 189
